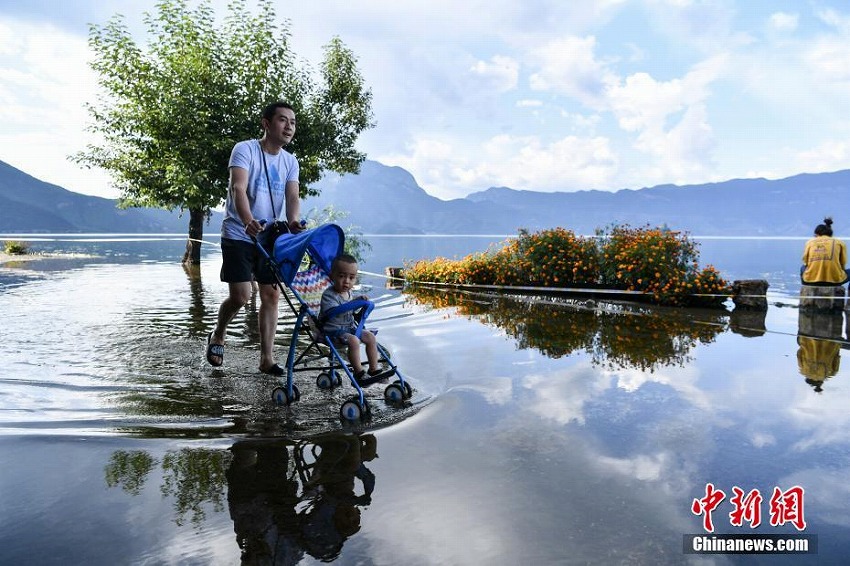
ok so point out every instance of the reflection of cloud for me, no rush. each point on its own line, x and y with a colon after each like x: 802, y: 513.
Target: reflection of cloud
x: 561, y: 396
x: 762, y: 439
x: 495, y: 390
x: 641, y: 467
x: 682, y: 380
x: 823, y: 419
x: 826, y: 490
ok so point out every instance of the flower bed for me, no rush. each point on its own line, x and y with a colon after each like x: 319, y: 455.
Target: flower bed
x: 661, y: 265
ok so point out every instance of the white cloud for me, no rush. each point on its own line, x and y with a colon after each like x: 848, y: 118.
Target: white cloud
x: 830, y: 155
x: 529, y: 103
x: 448, y: 167
x: 782, y: 21
x: 44, y: 84
x: 839, y: 21
x: 500, y: 72
x: 568, y: 66
x: 829, y: 59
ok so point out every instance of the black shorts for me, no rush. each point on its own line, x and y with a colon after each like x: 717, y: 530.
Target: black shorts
x: 242, y: 262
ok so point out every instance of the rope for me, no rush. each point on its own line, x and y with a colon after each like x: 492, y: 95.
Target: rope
x: 203, y: 241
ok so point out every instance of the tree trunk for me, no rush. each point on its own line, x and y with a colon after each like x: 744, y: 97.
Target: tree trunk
x: 196, y: 234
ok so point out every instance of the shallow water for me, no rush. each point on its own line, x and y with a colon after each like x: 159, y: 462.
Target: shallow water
x: 539, y: 432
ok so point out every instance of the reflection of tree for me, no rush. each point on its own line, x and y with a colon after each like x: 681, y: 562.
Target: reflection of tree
x: 286, y: 497
x: 197, y: 308
x: 194, y: 477
x: 641, y: 337
x: 129, y: 468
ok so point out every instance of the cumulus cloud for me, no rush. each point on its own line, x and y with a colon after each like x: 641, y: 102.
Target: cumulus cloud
x: 830, y: 155
x: 448, y: 167
x: 500, y: 73
x: 782, y: 21
x: 44, y: 85
x: 568, y: 66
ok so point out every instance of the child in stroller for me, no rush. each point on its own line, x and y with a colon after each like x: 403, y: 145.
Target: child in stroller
x: 340, y: 325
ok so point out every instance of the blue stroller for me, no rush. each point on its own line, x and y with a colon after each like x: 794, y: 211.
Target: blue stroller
x: 302, y: 263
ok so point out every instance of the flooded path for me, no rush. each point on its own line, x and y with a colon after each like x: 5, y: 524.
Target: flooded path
x: 538, y: 433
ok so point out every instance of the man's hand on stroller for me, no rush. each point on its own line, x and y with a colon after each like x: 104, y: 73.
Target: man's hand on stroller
x: 296, y: 226
x: 254, y: 227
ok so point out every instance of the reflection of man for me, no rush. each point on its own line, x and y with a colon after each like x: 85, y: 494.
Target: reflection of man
x: 273, y: 523
x: 262, y: 499
x: 817, y: 360
x: 334, y: 514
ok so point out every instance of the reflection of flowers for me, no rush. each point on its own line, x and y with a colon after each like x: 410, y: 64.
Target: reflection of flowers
x: 641, y: 338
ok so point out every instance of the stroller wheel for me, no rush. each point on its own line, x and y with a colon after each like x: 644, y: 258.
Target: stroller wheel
x: 351, y: 411
x: 408, y: 390
x: 281, y: 397
x: 394, y: 393
x: 324, y: 381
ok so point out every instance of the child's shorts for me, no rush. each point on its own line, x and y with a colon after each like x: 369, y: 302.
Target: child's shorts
x: 339, y: 337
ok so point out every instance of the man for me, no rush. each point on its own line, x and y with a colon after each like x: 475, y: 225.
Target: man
x: 263, y: 185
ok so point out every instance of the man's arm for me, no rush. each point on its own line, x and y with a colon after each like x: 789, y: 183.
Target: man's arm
x: 239, y: 187
x: 293, y: 206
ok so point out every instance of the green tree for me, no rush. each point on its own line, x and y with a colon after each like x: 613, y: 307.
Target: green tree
x: 170, y: 110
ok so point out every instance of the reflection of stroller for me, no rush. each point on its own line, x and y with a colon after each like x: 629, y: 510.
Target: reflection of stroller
x: 290, y: 497
x: 302, y: 262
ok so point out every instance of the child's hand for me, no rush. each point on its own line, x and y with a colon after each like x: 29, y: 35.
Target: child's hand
x: 363, y: 298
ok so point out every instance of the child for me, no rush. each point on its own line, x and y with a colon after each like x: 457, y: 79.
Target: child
x: 341, y: 327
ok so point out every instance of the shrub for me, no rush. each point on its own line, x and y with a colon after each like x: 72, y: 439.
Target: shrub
x: 15, y: 248
x: 658, y: 263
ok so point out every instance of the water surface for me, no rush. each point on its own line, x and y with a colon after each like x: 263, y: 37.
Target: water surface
x: 540, y: 432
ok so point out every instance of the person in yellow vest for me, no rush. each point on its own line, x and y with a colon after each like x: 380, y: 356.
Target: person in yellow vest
x: 825, y: 258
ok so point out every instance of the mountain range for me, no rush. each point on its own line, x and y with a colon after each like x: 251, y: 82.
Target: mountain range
x: 28, y: 205
x: 387, y: 200
x: 384, y: 199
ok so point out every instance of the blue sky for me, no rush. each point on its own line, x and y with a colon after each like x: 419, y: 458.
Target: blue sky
x: 539, y: 95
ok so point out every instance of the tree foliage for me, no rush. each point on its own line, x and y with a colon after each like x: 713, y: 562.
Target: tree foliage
x: 171, y: 110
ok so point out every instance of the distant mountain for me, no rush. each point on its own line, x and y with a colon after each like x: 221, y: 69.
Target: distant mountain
x: 387, y: 200
x: 384, y: 199
x: 29, y: 205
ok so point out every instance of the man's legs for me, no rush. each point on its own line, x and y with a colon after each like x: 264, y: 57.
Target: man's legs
x: 238, y: 296
x: 269, y: 296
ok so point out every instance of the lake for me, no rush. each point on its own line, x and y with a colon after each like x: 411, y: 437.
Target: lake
x: 539, y: 432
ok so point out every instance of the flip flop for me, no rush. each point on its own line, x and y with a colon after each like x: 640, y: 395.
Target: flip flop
x: 274, y: 369
x: 214, y: 351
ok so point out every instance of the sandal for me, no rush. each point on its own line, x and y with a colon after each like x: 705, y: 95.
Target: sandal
x: 274, y: 369
x: 214, y: 351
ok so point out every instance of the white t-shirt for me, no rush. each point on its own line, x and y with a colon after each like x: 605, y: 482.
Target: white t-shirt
x: 282, y: 168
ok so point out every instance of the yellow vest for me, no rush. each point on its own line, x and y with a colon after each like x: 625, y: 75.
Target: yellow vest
x: 825, y: 258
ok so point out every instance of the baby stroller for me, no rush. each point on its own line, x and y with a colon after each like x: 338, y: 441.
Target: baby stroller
x: 302, y: 263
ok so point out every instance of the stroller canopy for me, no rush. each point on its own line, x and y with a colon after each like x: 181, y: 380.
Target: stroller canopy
x: 324, y: 244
